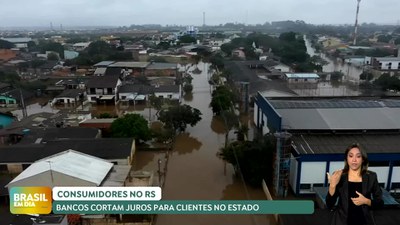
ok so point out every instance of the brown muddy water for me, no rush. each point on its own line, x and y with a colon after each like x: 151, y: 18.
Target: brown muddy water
x: 194, y: 172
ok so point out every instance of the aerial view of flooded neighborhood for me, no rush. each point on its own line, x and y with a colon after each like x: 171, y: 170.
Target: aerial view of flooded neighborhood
x: 208, y: 100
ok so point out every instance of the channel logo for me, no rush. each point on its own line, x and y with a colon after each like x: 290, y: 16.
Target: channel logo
x: 30, y: 200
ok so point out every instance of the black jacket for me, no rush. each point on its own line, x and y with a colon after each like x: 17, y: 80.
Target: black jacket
x: 370, y: 189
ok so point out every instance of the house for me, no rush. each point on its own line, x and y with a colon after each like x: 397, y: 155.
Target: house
x: 80, y: 46
x: 134, y: 68
x: 48, y: 67
x: 301, y: 77
x: 119, y: 151
x: 70, y: 168
x: 172, y: 92
x: 157, y: 69
x: 69, y: 97
x: 133, y: 93
x: 382, y: 65
x: 313, y: 134
x: 104, y: 124
x: 103, y: 89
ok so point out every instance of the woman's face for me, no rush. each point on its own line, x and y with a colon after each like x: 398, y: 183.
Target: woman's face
x: 354, y: 159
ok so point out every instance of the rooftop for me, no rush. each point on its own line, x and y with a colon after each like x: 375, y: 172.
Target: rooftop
x: 71, y: 163
x: 162, y: 66
x: 338, y: 114
x: 388, y: 58
x: 103, y: 64
x: 130, y: 64
x: 301, y: 75
x: 336, y: 143
x: 105, y: 148
x: 103, y: 81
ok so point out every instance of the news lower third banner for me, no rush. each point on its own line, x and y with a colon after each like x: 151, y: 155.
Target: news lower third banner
x: 185, y: 207
x: 137, y: 200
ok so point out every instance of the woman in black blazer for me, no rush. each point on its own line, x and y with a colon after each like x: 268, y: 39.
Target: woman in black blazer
x: 357, y: 189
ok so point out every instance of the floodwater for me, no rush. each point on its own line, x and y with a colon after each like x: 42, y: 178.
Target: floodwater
x: 351, y: 73
x: 33, y: 109
x: 348, y: 86
x: 194, y: 171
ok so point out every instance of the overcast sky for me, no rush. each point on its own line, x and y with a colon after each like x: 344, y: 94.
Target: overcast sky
x: 190, y: 12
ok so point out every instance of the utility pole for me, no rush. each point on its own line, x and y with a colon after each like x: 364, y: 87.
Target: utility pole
x: 356, y: 23
x: 24, y: 113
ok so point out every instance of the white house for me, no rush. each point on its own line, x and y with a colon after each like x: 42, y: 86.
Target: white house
x: 172, y: 92
x: 301, y: 77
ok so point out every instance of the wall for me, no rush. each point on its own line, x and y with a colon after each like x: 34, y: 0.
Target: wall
x: 272, y: 119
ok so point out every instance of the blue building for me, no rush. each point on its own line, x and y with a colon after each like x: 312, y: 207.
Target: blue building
x: 322, y: 128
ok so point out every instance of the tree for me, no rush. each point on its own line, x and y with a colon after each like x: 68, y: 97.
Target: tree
x: 230, y: 120
x: 222, y: 99
x: 336, y: 76
x: 187, y: 88
x: 99, y: 48
x: 228, y: 48
x: 52, y: 56
x: 131, y: 125
x: 178, y: 117
x: 288, y: 36
x: 156, y: 102
x: 366, y: 76
x: 254, y: 159
x: 52, y: 46
x: 387, y: 82
x: 384, y: 38
x: 187, y: 39
x: 10, y: 77
x: 397, y: 42
x: 217, y: 61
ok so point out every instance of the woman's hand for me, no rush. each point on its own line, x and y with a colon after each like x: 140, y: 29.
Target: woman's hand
x: 333, y: 181
x: 334, y: 178
x: 361, y: 200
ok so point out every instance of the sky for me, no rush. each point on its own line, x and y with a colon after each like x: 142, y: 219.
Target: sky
x: 25, y: 13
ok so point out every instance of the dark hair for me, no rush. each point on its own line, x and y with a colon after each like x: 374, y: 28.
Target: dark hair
x: 364, y: 165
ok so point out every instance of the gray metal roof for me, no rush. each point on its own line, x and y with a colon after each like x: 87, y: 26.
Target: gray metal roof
x: 130, y: 64
x: 388, y: 59
x: 337, y: 143
x: 103, y: 63
x: 162, y: 66
x: 338, y: 114
x: 71, y: 163
x: 340, y: 118
x: 117, y: 177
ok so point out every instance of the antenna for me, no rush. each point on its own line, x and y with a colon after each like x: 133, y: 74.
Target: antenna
x: 204, y: 19
x: 356, y: 24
